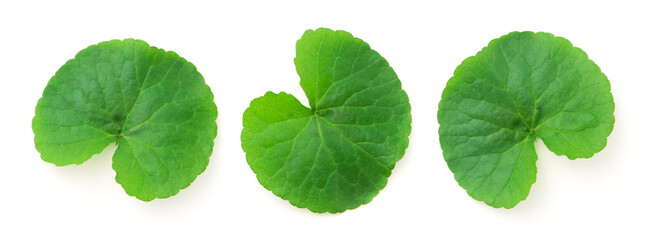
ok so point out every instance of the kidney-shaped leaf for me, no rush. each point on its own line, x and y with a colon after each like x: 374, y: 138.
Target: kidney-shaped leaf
x: 153, y: 103
x: 337, y: 154
x: 520, y: 87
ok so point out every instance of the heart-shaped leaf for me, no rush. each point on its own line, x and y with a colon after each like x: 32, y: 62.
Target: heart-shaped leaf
x: 153, y: 103
x: 521, y: 87
x: 339, y: 153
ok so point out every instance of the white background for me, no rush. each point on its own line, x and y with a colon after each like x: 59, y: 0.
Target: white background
x: 245, y: 48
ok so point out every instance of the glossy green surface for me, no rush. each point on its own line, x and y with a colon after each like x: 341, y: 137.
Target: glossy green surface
x: 337, y: 154
x: 521, y: 87
x: 153, y: 103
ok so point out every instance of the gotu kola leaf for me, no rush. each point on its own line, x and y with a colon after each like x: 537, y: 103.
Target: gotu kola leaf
x: 520, y: 87
x: 153, y: 103
x: 337, y: 154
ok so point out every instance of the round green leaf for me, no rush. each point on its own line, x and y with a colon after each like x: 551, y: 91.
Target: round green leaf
x: 153, y: 103
x: 337, y: 154
x: 520, y: 87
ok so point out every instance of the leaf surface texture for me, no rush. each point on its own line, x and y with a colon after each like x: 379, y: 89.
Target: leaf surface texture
x: 152, y: 102
x: 338, y: 153
x: 520, y: 87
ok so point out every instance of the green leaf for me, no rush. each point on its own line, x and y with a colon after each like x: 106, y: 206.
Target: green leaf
x: 337, y: 154
x: 522, y: 86
x: 153, y: 103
